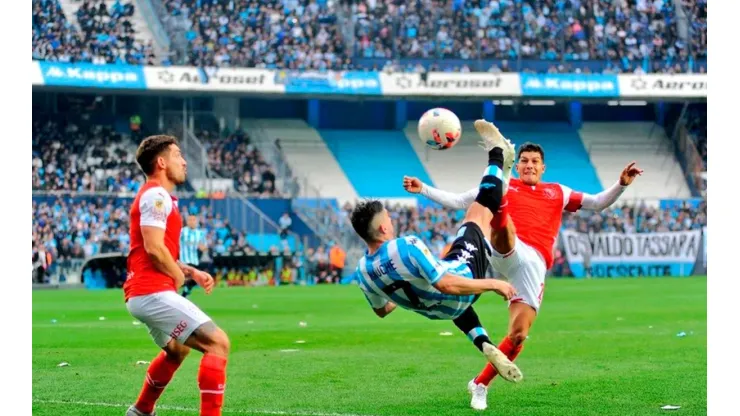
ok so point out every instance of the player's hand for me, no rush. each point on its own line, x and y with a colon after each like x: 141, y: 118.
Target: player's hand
x: 504, y: 289
x: 204, y: 280
x: 629, y: 174
x: 412, y: 184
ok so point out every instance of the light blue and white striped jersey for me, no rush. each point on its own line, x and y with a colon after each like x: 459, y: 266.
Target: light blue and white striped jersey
x: 190, y: 239
x: 404, y: 271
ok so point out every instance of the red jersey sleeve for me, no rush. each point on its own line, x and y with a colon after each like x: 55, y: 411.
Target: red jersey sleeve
x: 572, y: 200
x: 155, y: 205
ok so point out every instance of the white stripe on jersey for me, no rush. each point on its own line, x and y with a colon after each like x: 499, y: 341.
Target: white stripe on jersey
x: 407, y: 265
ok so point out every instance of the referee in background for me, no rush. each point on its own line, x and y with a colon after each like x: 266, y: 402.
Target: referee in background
x: 192, y: 240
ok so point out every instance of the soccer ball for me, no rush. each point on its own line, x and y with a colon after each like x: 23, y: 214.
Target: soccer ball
x: 439, y: 128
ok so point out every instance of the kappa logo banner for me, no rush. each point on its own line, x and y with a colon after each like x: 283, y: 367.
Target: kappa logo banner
x: 330, y: 82
x: 211, y: 79
x: 480, y: 84
x: 663, y: 85
x: 619, y: 255
x: 92, y: 76
x: 569, y: 85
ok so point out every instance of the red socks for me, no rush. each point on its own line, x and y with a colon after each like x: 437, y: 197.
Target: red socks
x: 212, y: 381
x: 158, y: 374
x: 502, y: 216
x: 489, y: 372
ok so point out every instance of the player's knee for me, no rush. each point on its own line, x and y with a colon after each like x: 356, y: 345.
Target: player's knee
x: 219, y: 343
x: 176, y: 352
x: 518, y: 336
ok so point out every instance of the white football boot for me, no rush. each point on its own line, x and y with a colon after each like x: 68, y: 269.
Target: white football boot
x: 505, y: 368
x: 492, y: 137
x: 478, y: 395
x: 133, y: 411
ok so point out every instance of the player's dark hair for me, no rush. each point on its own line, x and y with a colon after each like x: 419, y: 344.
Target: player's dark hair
x: 363, y: 214
x: 150, y: 149
x: 530, y: 147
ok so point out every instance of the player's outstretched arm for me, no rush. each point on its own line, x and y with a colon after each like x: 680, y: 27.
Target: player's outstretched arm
x: 447, y: 199
x: 609, y: 196
x: 456, y: 285
x: 160, y: 255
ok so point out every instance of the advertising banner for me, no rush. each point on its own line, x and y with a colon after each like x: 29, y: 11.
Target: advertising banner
x: 92, y: 76
x: 569, y: 85
x: 330, y: 82
x: 664, y: 85
x: 623, y: 255
x: 244, y: 80
x: 450, y: 84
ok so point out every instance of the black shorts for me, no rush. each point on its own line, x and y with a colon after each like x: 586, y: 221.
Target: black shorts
x: 471, y: 246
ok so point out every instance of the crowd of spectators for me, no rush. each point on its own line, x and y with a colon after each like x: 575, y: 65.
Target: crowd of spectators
x: 638, y: 218
x: 82, y: 158
x: 103, y: 34
x: 287, y: 34
x: 67, y: 230
x: 635, y: 36
x: 74, y: 228
x: 232, y: 156
x: 437, y: 226
x: 632, y: 35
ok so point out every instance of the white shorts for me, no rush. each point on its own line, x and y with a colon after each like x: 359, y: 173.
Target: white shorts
x: 168, y: 316
x: 525, y: 269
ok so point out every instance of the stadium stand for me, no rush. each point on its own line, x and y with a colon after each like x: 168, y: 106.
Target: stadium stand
x: 70, y: 229
x: 371, y: 168
x: 273, y: 158
x: 95, y: 31
x: 234, y: 157
x: 566, y: 159
x: 303, y: 149
x: 639, y: 217
x: 271, y: 34
x: 697, y: 126
x: 67, y: 157
x: 434, y: 225
x: 612, y: 145
x: 641, y: 36
x: 547, y: 36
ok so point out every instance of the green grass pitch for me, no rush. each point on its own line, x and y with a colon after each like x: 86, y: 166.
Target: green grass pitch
x: 599, y: 347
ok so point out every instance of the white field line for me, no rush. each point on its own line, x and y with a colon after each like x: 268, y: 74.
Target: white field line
x: 192, y: 409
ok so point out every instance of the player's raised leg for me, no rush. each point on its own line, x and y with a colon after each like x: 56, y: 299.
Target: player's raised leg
x: 503, y: 239
x: 503, y: 234
x: 213, y: 342
x: 479, y: 215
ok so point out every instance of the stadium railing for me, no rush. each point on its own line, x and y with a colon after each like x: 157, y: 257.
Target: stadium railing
x: 693, y: 164
x: 175, y: 26
x: 161, y: 38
